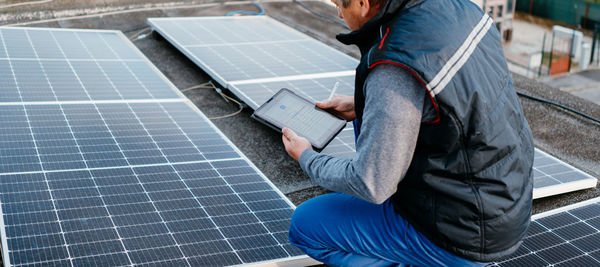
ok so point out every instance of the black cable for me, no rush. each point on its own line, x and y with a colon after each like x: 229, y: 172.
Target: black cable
x: 329, y: 18
x: 559, y: 105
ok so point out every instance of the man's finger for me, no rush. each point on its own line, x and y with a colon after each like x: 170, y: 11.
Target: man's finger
x: 285, y: 140
x: 325, y: 104
x: 288, y: 133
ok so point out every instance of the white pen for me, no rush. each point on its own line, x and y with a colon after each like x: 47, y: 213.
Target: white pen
x: 335, y: 87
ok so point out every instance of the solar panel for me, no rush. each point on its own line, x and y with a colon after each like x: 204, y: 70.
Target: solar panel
x: 234, y: 49
x: 256, y: 56
x: 142, y: 182
x: 256, y: 93
x: 552, y: 176
x: 113, y: 175
x: 55, y: 65
x: 567, y: 236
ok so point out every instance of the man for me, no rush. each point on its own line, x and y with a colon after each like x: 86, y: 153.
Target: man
x: 442, y: 175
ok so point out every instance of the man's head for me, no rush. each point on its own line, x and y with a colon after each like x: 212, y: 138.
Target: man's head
x: 357, y: 12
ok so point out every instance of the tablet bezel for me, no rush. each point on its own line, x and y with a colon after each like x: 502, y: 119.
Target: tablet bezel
x: 260, y: 116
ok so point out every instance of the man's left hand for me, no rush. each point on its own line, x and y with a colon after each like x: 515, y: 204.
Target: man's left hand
x: 294, y: 144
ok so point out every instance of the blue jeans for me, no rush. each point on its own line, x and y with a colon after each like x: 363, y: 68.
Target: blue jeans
x: 341, y: 230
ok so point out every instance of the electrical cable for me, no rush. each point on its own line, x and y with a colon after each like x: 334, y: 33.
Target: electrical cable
x: 211, y: 85
x: 206, y: 85
x: 560, y: 106
x: 329, y: 18
x: 260, y: 12
x: 140, y: 34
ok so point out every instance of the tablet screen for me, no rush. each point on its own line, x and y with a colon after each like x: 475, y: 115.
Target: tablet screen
x: 287, y: 109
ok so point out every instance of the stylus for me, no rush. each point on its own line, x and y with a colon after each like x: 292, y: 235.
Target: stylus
x: 335, y: 87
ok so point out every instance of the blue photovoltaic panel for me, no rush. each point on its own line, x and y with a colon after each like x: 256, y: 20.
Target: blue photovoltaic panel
x: 568, y: 236
x: 552, y: 176
x: 343, y: 145
x: 103, y: 163
x: 245, y: 48
x: 312, y: 89
x: 55, y: 65
x: 269, y: 60
x: 254, y: 57
x: 182, y: 191
x: 207, y: 213
x: 58, y: 137
x: 212, y: 31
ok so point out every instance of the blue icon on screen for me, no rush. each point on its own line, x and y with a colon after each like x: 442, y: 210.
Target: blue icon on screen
x: 282, y: 107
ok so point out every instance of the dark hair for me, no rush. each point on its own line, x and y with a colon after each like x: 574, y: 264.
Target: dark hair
x: 346, y: 3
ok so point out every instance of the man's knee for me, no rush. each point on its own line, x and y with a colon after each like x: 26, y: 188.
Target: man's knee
x: 300, y: 219
x: 305, y: 220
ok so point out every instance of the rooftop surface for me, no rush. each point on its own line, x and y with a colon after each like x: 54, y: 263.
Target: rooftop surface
x: 569, y: 137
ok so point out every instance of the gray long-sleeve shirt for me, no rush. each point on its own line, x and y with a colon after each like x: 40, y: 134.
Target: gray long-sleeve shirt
x: 394, y: 106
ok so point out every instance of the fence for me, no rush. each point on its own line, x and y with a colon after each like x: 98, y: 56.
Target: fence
x: 595, y: 56
x: 578, y: 13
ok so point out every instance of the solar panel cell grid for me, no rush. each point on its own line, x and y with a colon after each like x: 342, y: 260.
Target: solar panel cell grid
x: 552, y: 176
x: 56, y: 65
x: 144, y: 213
x: 17, y: 43
x: 94, y: 136
x: 314, y: 89
x: 267, y: 60
x: 236, y: 49
x: 224, y: 31
x: 562, y: 238
x: 103, y: 163
x: 343, y: 145
x: 2, y: 47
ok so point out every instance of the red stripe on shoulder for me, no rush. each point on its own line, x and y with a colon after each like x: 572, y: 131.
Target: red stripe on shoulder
x: 383, y: 39
x: 437, y: 111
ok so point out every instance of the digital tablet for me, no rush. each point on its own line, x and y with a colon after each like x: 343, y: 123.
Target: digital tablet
x: 287, y: 109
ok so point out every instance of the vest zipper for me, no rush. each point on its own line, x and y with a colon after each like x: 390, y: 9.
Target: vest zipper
x: 468, y: 171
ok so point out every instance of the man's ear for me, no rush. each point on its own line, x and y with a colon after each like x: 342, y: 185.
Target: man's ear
x: 365, y: 7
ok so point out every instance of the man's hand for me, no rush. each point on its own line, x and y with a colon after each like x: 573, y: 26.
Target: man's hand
x: 340, y: 105
x: 294, y: 144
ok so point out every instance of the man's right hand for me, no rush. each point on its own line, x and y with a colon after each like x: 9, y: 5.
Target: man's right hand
x: 340, y: 105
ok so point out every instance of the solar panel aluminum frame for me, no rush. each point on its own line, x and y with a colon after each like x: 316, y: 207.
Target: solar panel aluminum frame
x: 120, y: 34
x: 290, y: 261
x: 231, y: 85
x: 3, y: 240
x: 562, y: 188
x: 565, y: 208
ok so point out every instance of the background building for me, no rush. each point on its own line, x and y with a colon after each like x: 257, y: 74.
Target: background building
x: 502, y: 11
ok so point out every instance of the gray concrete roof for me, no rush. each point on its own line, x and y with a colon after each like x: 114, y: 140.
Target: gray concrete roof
x: 562, y: 134
x: 585, y: 84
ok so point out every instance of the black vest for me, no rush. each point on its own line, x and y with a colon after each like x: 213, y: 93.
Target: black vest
x: 469, y: 185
